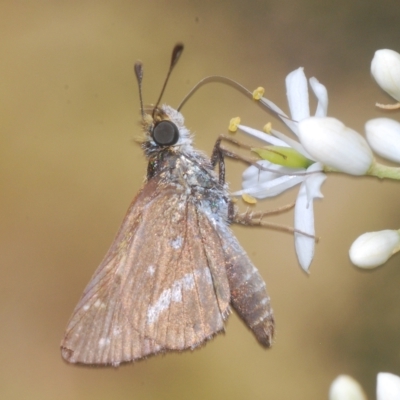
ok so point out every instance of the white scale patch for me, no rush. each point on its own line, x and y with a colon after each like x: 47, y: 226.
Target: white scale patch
x: 117, y: 331
x: 177, y: 243
x: 174, y: 293
x: 99, y: 304
x: 151, y: 270
x: 207, y: 274
x: 264, y: 301
x: 104, y: 342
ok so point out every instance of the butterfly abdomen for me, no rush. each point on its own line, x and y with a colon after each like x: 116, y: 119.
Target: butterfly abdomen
x: 249, y: 296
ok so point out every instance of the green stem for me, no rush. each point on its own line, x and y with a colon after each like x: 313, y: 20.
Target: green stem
x: 383, y: 171
x: 378, y: 170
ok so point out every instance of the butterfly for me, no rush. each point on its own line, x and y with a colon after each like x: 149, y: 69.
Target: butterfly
x: 175, y: 269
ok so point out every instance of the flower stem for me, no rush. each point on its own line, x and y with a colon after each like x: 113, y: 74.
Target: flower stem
x: 383, y: 171
x: 378, y: 170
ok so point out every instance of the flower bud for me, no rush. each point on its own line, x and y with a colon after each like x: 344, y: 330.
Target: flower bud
x: 383, y: 135
x: 333, y: 144
x: 385, y: 68
x: 344, y: 387
x: 388, y: 386
x: 374, y: 248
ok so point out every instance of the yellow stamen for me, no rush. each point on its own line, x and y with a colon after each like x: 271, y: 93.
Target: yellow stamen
x: 268, y: 128
x: 258, y: 93
x: 233, y: 124
x: 248, y: 199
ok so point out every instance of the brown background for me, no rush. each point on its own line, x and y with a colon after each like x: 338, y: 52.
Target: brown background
x: 69, y: 169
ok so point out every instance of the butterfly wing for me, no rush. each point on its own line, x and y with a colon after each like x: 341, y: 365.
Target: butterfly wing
x: 162, y: 286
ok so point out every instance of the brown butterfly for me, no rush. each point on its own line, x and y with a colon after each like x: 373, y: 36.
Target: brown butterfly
x: 175, y: 268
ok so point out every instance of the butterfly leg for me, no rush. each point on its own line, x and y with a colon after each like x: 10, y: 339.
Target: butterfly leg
x: 220, y: 152
x: 217, y: 157
x: 249, y: 218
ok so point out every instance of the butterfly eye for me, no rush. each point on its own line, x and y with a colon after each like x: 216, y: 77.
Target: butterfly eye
x: 165, y: 133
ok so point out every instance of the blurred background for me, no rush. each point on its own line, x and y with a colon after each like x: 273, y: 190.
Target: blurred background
x: 70, y: 168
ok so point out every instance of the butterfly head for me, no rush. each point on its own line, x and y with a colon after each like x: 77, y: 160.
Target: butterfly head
x: 164, y: 128
x: 163, y: 125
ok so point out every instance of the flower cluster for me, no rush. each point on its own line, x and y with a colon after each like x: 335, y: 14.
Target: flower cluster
x: 324, y: 144
x: 383, y: 136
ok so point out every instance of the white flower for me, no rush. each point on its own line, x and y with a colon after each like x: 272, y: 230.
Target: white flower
x: 344, y: 387
x: 374, y: 248
x: 333, y: 144
x: 385, y: 68
x: 388, y: 386
x: 383, y: 135
x: 262, y: 184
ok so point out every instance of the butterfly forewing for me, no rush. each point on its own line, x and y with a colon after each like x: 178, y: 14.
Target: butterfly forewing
x: 160, y: 287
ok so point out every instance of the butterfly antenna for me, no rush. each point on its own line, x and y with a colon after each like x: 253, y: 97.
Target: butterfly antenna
x: 139, y: 76
x: 176, y: 53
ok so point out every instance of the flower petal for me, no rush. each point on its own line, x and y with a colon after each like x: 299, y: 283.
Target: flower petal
x: 292, y: 143
x: 304, y: 221
x: 270, y: 188
x: 265, y: 137
x: 332, y: 143
x: 297, y: 94
x: 262, y: 184
x: 322, y: 96
x: 253, y: 176
x: 314, y: 181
